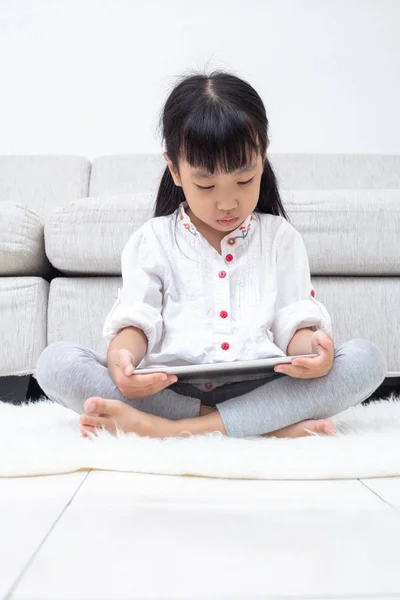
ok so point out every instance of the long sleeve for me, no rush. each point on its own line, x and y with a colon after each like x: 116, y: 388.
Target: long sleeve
x: 295, y: 306
x: 139, y: 302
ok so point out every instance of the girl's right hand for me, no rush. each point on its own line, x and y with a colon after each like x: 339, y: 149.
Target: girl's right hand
x: 121, y: 365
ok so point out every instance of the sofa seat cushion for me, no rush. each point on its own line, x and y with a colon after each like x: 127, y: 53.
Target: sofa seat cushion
x: 348, y: 232
x: 21, y: 241
x: 88, y: 235
x: 78, y: 308
x: 23, y: 323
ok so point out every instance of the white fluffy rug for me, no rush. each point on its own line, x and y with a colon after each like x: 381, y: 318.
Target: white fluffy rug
x: 42, y: 437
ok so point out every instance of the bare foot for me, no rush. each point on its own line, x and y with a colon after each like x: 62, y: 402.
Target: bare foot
x: 321, y: 427
x: 111, y: 414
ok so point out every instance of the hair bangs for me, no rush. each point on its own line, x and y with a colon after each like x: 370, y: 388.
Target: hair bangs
x: 219, y: 140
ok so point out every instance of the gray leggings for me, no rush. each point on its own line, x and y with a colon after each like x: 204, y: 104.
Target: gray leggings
x: 69, y: 374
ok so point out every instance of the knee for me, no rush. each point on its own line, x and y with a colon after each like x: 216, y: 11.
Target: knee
x: 52, y: 362
x: 366, y: 358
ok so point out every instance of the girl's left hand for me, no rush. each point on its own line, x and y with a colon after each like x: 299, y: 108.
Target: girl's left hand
x: 310, y: 368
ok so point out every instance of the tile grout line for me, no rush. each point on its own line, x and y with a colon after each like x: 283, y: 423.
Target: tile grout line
x: 35, y: 553
x: 376, y: 494
x: 377, y: 596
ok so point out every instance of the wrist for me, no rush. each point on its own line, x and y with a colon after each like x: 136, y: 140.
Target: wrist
x: 301, y: 342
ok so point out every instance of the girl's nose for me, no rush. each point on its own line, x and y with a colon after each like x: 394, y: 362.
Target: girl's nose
x: 228, y: 208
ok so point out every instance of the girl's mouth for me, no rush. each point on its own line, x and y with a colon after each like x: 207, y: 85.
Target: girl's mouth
x: 227, y: 221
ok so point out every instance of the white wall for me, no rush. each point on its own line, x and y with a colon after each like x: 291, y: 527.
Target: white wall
x: 89, y: 77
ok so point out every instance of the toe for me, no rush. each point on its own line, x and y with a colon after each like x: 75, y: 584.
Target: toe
x: 84, y: 429
x: 91, y: 404
x: 93, y: 421
x: 329, y: 428
x: 102, y: 406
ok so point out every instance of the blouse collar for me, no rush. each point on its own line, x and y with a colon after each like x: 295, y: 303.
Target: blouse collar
x: 234, y: 238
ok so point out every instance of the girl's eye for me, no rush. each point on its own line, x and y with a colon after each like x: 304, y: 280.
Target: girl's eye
x: 211, y: 186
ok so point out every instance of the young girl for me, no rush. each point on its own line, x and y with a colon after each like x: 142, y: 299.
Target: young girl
x: 219, y: 274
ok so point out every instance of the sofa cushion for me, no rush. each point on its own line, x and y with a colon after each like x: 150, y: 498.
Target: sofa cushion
x: 346, y: 232
x: 78, y: 308
x: 21, y: 241
x: 336, y: 171
x: 88, y: 235
x: 42, y: 182
x: 126, y: 174
x: 23, y: 323
x: 131, y: 173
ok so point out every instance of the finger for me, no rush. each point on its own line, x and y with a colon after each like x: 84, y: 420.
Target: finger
x: 309, y: 363
x: 126, y: 363
x: 146, y: 384
x: 158, y: 388
x: 165, y: 380
x: 126, y: 370
x: 148, y: 390
x: 162, y: 382
x: 157, y: 380
x: 169, y: 381
x: 324, y: 344
x: 289, y: 370
x: 297, y: 373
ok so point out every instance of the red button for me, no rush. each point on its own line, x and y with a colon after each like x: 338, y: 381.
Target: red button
x: 229, y: 257
x: 222, y: 274
x: 312, y: 293
x: 208, y: 385
x: 223, y: 314
x: 225, y: 346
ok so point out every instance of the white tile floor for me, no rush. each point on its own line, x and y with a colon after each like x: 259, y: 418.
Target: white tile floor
x: 115, y: 536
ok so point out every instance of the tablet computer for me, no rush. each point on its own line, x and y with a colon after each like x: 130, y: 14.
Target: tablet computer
x: 223, y: 369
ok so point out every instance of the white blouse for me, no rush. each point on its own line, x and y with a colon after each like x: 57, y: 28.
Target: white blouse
x: 198, y: 306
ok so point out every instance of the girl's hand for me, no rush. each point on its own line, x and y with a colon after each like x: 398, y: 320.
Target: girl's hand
x: 121, y: 365
x: 310, y: 368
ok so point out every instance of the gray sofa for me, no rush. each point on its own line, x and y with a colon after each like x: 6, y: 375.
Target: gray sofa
x: 64, y: 222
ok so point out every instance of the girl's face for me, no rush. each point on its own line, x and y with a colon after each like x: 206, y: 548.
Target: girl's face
x: 213, y: 199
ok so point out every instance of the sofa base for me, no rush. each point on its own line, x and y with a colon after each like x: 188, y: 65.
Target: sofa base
x: 17, y: 389
x: 20, y: 389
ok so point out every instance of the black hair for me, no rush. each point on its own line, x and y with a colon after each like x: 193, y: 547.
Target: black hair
x: 211, y: 121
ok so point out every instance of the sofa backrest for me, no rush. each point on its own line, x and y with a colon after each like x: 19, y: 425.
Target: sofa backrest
x: 142, y: 172
x: 345, y: 206
x: 44, y: 182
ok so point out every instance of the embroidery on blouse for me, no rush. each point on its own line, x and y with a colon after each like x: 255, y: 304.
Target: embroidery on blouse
x: 184, y: 218
x: 243, y: 231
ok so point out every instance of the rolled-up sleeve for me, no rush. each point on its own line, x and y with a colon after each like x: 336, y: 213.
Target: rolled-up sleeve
x: 139, y: 301
x: 295, y: 306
